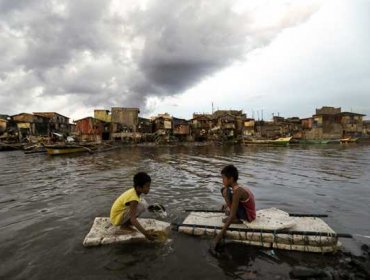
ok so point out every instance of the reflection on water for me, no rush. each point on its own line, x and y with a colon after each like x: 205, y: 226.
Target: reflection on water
x: 48, y: 205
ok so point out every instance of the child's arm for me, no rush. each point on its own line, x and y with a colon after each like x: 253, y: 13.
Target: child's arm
x: 232, y: 216
x: 225, y: 196
x: 135, y: 222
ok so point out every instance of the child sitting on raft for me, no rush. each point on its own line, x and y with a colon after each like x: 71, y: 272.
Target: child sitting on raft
x: 239, y: 200
x: 128, y: 206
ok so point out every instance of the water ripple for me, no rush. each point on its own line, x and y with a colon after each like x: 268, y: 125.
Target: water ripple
x: 48, y: 203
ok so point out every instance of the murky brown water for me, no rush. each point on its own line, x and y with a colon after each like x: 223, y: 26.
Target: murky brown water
x: 47, y: 205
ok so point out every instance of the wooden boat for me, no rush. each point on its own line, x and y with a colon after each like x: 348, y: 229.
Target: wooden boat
x: 334, y: 141
x: 349, y: 140
x: 282, y: 140
x: 319, y: 141
x: 11, y: 146
x: 35, y: 149
x: 279, y: 141
x: 273, y: 228
x: 62, y: 149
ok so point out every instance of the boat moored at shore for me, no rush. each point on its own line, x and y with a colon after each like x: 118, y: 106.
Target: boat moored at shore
x: 62, y: 149
x: 279, y: 141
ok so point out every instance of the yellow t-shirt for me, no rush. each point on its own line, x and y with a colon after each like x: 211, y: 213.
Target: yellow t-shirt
x: 120, y: 206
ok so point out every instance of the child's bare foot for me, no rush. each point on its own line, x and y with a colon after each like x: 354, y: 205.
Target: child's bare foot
x: 125, y: 229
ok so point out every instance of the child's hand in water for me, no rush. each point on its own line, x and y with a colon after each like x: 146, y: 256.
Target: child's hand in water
x: 215, y: 248
x: 156, y: 235
x: 151, y: 236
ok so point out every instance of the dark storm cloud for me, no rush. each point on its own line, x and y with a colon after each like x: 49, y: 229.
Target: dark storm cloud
x: 184, y: 43
x: 101, y: 54
x: 53, y: 39
x: 177, y: 76
x: 7, y: 6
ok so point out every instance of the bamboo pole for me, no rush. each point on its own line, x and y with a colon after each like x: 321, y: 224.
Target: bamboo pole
x: 290, y: 214
x: 280, y: 231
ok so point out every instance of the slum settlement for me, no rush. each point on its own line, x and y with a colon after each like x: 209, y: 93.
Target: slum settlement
x: 124, y: 125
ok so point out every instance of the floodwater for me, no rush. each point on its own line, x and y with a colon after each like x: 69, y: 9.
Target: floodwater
x: 48, y: 204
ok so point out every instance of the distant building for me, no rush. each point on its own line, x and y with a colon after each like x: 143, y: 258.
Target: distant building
x: 3, y: 125
x: 225, y: 126
x: 288, y: 126
x: 326, y: 124
x: 235, y: 113
x: 124, y: 119
x: 103, y: 115
x: 145, y: 126
x: 92, y: 129
x: 238, y: 114
x: 8, y: 129
x: 201, y: 124
x: 57, y: 122
x: 4, y: 117
x: 248, y: 128
x: 366, y: 128
x: 162, y: 124
x: 352, y: 124
x: 293, y: 120
x: 278, y: 119
x: 326, y: 110
x: 268, y: 129
x: 181, y: 128
x: 307, y: 123
x: 331, y: 123
x: 228, y: 123
x: 162, y: 127
x: 196, y: 115
x: 3, y: 122
x: 31, y: 125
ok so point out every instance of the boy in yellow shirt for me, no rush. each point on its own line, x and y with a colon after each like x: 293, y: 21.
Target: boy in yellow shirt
x: 128, y: 206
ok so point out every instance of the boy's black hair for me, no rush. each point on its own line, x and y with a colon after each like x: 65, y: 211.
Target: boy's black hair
x: 230, y: 171
x: 141, y: 178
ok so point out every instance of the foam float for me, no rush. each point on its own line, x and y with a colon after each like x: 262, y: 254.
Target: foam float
x: 272, y: 228
x: 103, y: 232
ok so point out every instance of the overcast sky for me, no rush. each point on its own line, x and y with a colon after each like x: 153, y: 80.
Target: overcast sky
x: 262, y: 56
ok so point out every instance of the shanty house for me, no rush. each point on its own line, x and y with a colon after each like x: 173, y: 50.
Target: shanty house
x: 92, y: 129
x: 103, y: 115
x: 352, y: 124
x: 162, y: 124
x: 57, y: 122
x: 268, y: 129
x: 201, y: 124
x: 124, y: 119
x: 181, y: 128
x: 3, y: 123
x: 248, y: 128
x: 31, y: 125
x: 145, y: 126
